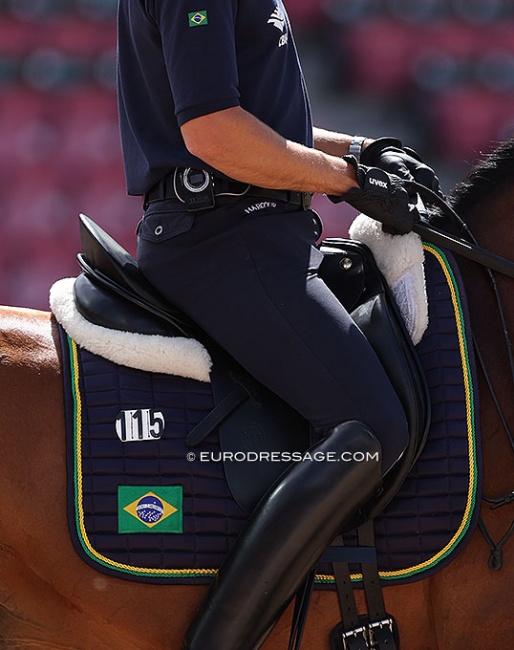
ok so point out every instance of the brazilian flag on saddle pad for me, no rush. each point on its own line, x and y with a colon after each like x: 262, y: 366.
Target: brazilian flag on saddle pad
x: 150, y: 509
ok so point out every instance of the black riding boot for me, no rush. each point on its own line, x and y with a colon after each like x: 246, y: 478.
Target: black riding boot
x: 284, y: 538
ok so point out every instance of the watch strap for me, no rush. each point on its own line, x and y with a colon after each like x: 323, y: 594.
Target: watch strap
x: 355, y: 148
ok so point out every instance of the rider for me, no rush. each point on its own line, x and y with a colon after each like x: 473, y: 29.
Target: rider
x: 217, y: 137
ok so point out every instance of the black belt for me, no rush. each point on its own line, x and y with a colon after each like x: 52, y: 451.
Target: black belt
x: 172, y: 186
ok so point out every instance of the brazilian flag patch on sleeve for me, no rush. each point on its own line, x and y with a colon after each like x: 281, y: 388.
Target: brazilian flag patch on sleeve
x: 198, y: 18
x: 150, y: 509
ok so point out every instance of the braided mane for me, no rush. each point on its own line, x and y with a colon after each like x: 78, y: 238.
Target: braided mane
x: 493, y: 171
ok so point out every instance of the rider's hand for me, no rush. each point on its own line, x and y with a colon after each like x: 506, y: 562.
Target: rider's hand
x: 382, y: 197
x: 389, y: 155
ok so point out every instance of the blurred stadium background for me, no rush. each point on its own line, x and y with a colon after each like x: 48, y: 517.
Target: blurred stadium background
x: 438, y: 74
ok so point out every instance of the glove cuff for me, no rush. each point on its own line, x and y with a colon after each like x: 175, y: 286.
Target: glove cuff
x: 359, y: 170
x: 350, y: 160
x: 371, y: 154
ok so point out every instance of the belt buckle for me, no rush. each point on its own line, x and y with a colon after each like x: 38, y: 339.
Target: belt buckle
x: 194, y: 187
x: 352, y: 635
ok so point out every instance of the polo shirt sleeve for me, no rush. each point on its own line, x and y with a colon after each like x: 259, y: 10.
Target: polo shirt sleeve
x: 198, y: 42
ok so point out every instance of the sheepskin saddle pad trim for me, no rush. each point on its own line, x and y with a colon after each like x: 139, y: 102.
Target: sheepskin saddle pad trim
x: 172, y: 355
x: 400, y: 260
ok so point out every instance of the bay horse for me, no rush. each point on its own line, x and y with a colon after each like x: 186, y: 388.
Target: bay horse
x: 51, y: 600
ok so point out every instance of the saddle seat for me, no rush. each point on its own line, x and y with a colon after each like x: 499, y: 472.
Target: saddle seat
x: 112, y: 292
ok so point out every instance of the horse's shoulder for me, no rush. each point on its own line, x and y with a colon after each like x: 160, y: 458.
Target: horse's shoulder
x: 28, y: 337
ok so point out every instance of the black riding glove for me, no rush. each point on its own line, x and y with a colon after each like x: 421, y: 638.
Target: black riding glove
x: 382, y: 197
x: 389, y: 155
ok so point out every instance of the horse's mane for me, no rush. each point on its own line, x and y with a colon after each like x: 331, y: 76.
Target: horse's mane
x: 492, y: 171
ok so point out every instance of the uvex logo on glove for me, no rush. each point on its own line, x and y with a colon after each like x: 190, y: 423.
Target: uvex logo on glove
x: 383, y: 197
x: 376, y: 179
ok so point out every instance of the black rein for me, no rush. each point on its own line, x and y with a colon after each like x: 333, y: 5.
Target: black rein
x: 471, y: 250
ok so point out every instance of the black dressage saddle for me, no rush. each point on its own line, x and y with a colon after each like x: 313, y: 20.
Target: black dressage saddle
x: 112, y: 292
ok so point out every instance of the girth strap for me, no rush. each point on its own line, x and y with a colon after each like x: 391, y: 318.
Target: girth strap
x: 376, y: 630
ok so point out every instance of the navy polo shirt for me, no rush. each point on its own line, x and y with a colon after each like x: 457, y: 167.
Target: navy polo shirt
x: 181, y: 59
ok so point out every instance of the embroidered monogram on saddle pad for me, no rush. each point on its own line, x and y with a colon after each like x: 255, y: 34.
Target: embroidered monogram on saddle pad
x: 145, y: 507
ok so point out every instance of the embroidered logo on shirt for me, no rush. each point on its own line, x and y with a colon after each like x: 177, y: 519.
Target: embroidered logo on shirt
x: 278, y: 20
x: 197, y: 18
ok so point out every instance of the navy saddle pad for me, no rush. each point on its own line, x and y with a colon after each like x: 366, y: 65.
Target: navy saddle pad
x: 143, y: 506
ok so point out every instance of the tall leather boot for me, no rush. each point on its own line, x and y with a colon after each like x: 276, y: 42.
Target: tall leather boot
x: 285, y: 536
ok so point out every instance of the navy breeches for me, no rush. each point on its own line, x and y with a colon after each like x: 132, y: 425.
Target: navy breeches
x: 246, y: 272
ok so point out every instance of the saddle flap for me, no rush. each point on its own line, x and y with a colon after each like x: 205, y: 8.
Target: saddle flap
x: 259, y: 432
x: 376, y: 314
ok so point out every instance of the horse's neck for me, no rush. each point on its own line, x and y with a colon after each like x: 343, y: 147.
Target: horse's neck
x: 491, y: 220
x: 494, y: 231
